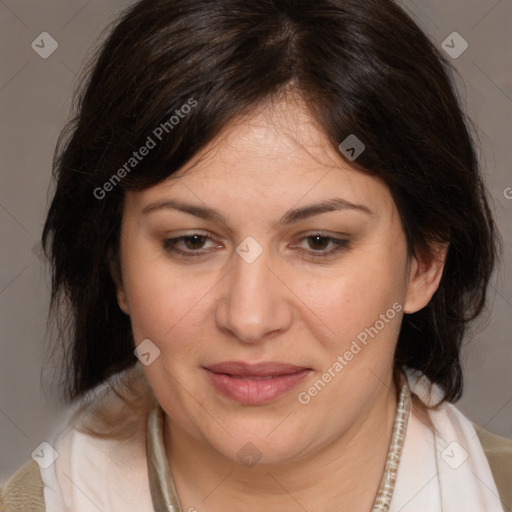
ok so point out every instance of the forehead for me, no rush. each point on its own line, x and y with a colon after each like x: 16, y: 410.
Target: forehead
x: 269, y: 139
x: 276, y: 156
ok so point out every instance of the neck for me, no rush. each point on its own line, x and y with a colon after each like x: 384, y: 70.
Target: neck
x: 345, y: 475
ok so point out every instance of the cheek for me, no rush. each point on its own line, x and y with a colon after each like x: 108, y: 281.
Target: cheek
x: 162, y: 300
x: 167, y: 309
x: 360, y: 312
x: 355, y: 297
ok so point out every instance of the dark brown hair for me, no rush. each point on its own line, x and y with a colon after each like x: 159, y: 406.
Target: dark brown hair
x: 363, y: 67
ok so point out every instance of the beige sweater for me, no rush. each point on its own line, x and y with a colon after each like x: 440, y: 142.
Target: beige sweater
x: 23, y: 492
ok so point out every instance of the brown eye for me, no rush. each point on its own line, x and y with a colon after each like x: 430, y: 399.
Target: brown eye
x: 188, y: 245
x: 194, y: 241
x: 318, y: 243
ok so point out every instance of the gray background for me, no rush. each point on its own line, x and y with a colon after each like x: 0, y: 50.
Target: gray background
x: 35, y: 96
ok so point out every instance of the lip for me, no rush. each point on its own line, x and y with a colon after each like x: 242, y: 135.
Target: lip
x: 255, y: 384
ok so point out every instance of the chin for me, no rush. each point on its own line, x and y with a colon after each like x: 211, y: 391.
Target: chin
x: 250, y: 449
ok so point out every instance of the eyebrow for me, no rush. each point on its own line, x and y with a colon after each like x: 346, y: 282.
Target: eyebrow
x: 330, y: 205
x: 202, y: 212
x: 290, y: 217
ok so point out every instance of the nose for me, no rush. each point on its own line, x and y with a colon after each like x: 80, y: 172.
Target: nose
x: 254, y: 303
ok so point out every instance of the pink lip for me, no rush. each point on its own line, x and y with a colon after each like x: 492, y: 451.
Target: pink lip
x: 244, y: 382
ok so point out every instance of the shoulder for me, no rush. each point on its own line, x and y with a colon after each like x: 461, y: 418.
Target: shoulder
x: 23, y: 492
x: 499, y: 454
x: 107, y: 428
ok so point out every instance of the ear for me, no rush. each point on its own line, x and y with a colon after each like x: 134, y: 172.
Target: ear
x: 115, y: 271
x: 425, y: 275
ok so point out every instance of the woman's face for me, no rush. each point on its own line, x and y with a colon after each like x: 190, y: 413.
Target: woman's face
x: 266, y: 248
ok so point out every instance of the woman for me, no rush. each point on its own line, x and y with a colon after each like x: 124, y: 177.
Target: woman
x: 270, y: 232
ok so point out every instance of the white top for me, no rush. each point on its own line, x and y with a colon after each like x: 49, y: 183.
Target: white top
x: 443, y: 472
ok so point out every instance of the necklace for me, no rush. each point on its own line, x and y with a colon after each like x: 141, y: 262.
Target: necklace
x: 387, y: 483
x: 163, y: 491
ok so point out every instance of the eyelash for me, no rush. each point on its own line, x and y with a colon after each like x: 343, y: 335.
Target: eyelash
x: 170, y: 243
x: 340, y: 244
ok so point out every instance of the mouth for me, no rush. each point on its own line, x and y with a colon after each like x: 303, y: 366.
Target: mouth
x: 255, y: 384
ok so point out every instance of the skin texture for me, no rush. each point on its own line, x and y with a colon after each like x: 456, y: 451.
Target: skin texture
x: 288, y: 306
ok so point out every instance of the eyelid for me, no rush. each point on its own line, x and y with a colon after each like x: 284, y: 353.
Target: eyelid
x: 323, y: 234
x: 341, y: 241
x: 170, y: 242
